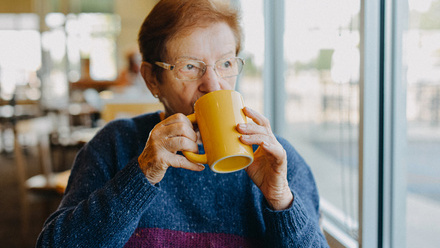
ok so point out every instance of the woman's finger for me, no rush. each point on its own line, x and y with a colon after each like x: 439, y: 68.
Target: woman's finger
x: 256, y: 117
x: 252, y: 128
x: 155, y: 165
x: 175, y: 125
x: 176, y: 118
x: 178, y: 129
x: 256, y: 139
x: 178, y: 161
x: 175, y: 144
x: 269, y: 144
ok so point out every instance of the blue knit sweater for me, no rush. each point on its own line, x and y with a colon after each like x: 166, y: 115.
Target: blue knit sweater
x: 110, y: 203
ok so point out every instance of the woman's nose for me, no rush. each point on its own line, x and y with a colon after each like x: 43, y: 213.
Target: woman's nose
x: 210, y: 81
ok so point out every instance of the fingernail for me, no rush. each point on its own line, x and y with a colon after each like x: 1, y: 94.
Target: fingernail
x: 201, y: 167
x: 242, y: 125
x: 245, y: 136
x: 265, y: 144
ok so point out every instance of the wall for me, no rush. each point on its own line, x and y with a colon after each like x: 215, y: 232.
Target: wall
x: 132, y: 15
x: 16, y: 6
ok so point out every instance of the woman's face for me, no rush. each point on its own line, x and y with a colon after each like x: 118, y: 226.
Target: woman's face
x: 207, y: 44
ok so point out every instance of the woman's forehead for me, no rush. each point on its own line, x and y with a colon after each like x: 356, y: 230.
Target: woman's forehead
x: 215, y: 40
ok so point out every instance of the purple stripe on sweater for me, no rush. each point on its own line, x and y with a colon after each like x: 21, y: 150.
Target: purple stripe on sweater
x: 155, y: 237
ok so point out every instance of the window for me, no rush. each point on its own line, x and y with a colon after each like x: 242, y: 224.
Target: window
x: 361, y: 102
x: 250, y: 84
x: 321, y: 53
x: 91, y: 43
x: 20, y: 57
x: 422, y: 58
x: 77, y: 46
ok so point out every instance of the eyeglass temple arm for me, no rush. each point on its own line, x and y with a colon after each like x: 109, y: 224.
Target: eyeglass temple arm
x: 165, y: 65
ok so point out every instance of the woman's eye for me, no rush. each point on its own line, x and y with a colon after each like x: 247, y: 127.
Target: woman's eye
x: 227, y: 64
x: 189, y: 67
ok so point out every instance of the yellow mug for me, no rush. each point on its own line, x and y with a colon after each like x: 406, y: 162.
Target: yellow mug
x: 217, y: 115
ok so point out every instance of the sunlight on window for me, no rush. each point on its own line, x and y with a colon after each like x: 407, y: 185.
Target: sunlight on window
x: 422, y: 60
x: 20, y: 49
x: 20, y: 54
x: 345, y: 63
x: 251, y: 82
x: 322, y: 104
x: 54, y: 42
x: 91, y: 38
x: 103, y: 59
x: 420, y: 5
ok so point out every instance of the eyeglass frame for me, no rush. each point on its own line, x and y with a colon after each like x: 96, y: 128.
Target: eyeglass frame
x: 171, y: 67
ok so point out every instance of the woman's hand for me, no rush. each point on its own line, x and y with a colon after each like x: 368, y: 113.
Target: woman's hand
x: 169, y: 136
x: 269, y: 169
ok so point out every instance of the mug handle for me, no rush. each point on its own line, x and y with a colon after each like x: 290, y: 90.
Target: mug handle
x: 191, y: 156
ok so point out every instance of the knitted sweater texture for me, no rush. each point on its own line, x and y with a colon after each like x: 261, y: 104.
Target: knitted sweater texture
x: 110, y: 203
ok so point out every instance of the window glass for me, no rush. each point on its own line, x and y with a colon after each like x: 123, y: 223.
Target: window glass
x: 322, y: 58
x: 55, y: 83
x: 250, y: 83
x: 20, y: 57
x: 77, y: 47
x: 422, y: 60
x: 91, y: 43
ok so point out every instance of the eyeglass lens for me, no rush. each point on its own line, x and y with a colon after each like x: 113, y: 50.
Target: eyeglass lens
x: 192, y: 69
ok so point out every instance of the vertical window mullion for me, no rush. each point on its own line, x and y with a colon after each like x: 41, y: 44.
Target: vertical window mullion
x: 394, y: 127
x: 383, y: 129
x: 274, y: 69
x: 369, y: 123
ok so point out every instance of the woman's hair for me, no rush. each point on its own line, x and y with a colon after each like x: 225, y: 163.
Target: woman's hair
x: 172, y: 18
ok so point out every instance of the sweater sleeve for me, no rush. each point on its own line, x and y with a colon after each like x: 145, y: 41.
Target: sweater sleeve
x: 297, y: 226
x: 100, y: 208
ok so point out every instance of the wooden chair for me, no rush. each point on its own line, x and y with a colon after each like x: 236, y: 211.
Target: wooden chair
x: 113, y: 111
x: 47, y: 186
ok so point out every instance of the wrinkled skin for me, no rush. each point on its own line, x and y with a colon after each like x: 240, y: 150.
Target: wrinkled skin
x: 175, y: 132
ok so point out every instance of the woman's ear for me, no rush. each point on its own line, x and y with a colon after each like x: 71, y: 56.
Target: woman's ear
x: 150, y: 78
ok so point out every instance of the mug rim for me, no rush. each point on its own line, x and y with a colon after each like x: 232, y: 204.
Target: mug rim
x: 212, y: 167
x: 215, y: 92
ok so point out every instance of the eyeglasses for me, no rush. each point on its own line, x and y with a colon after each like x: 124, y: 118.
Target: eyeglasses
x: 189, y: 70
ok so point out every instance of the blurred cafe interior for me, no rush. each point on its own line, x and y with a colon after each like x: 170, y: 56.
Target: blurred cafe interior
x: 66, y: 69
x: 354, y: 85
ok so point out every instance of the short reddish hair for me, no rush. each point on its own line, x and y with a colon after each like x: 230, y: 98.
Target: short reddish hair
x: 171, y: 18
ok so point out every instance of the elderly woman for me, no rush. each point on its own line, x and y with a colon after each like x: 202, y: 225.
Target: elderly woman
x: 130, y: 186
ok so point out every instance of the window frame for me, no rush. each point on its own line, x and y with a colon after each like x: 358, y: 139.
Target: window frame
x: 274, y: 67
x: 393, y: 187
x: 382, y: 126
